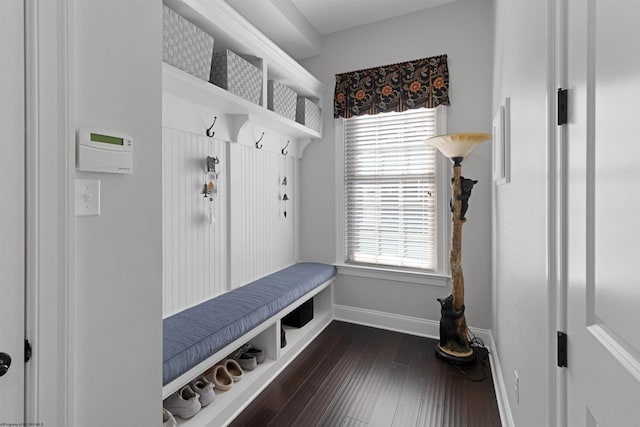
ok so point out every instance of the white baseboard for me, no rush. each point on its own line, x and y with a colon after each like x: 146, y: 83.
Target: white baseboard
x: 429, y: 329
x: 396, y: 322
x: 388, y: 321
x: 498, y: 382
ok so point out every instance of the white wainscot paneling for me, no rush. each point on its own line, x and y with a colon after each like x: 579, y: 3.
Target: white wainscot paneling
x: 262, y: 239
x: 194, y: 250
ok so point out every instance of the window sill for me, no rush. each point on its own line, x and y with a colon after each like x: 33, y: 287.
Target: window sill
x: 430, y: 279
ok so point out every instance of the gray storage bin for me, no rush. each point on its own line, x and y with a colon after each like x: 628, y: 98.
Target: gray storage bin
x: 186, y: 46
x: 237, y: 75
x: 308, y: 113
x: 281, y: 99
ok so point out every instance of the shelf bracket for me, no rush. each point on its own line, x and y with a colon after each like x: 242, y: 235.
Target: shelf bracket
x: 302, y: 146
x: 236, y: 123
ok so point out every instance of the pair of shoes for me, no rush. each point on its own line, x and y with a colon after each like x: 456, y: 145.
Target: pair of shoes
x: 220, y: 377
x: 224, y: 374
x: 184, y: 403
x: 246, y: 361
x: 204, y: 388
x: 167, y: 419
x: 256, y: 352
x: 283, y: 337
x: 249, y: 357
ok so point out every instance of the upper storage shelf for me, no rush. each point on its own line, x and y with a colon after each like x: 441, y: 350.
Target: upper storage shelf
x: 231, y: 31
x: 178, y: 83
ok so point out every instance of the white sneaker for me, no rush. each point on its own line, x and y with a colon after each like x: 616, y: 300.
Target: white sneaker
x: 204, y: 388
x: 184, y: 403
x: 167, y: 419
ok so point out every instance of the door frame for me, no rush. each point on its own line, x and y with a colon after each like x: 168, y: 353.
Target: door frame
x: 557, y: 210
x: 554, y: 171
x: 49, y: 376
x: 12, y: 268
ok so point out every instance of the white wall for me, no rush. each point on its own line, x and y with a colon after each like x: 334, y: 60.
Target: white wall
x: 520, y: 325
x: 118, y: 277
x: 463, y: 31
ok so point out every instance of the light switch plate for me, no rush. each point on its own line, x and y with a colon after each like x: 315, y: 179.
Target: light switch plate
x: 87, y: 197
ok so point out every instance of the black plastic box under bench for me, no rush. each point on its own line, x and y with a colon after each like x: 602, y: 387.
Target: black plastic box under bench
x: 300, y: 316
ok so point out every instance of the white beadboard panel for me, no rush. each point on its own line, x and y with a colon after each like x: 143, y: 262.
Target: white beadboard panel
x: 194, y: 251
x: 262, y: 240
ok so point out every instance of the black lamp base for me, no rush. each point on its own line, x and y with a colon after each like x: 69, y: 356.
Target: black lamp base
x: 455, y: 357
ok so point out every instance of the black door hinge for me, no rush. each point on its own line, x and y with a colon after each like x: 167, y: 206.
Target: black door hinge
x: 27, y: 351
x: 562, y: 349
x: 563, y: 106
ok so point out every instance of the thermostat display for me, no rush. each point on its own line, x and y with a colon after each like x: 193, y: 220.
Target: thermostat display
x: 104, y: 151
x: 96, y: 137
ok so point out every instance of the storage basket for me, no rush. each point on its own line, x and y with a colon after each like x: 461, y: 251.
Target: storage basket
x: 281, y: 99
x: 186, y: 46
x: 308, y: 113
x: 237, y: 75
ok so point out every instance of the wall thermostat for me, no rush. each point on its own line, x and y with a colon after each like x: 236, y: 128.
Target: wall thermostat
x: 104, y: 151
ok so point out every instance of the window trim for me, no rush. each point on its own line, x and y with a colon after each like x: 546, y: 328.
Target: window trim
x: 440, y: 276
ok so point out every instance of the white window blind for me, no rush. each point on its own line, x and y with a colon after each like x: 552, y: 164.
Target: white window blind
x: 390, y: 190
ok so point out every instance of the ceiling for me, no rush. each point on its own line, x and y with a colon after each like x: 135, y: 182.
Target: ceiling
x: 298, y: 25
x: 329, y: 16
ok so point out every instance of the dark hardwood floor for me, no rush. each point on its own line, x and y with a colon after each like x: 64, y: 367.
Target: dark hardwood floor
x: 353, y: 375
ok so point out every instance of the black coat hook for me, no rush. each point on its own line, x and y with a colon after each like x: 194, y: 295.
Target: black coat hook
x: 284, y: 153
x: 258, y: 145
x: 210, y: 132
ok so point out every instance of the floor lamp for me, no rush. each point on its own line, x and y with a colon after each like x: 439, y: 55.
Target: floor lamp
x: 454, y: 342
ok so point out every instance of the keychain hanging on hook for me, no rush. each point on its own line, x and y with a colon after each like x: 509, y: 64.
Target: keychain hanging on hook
x: 210, y: 188
x: 285, y: 198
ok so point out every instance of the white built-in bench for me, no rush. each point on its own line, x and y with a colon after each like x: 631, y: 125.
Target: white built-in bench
x: 199, y: 337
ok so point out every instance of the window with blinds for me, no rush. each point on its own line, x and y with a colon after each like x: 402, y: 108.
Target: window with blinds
x: 390, y: 190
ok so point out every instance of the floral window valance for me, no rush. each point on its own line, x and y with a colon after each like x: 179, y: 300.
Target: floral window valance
x: 397, y: 87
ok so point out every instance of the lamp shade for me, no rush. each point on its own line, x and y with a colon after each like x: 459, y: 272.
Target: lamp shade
x: 457, y: 144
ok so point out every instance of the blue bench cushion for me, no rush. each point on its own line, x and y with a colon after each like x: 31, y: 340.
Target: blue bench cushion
x: 198, y: 332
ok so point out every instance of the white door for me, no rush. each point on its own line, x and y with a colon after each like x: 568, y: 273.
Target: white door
x: 603, y: 323
x: 12, y: 213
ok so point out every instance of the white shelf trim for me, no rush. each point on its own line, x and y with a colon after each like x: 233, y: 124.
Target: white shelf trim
x: 183, y: 85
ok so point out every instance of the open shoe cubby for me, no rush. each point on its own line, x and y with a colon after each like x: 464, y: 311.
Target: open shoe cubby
x: 231, y: 31
x: 228, y: 404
